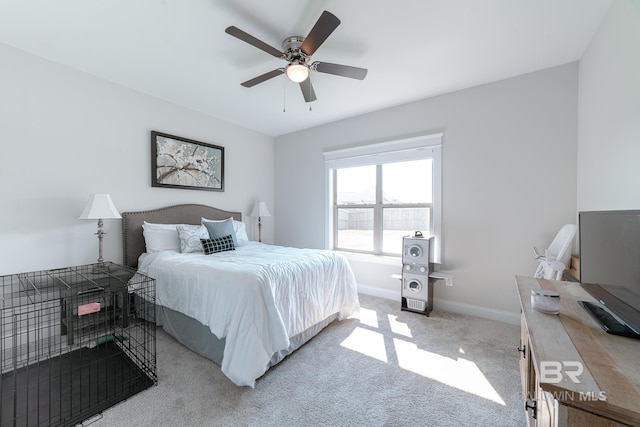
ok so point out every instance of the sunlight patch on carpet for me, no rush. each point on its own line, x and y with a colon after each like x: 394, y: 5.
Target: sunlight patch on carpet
x: 459, y: 373
x: 399, y: 328
x: 367, y: 317
x: 366, y: 342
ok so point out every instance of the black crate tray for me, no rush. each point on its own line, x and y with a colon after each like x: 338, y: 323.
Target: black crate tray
x: 67, y: 389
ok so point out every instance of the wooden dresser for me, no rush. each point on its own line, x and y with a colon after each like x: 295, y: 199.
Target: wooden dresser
x: 573, y: 373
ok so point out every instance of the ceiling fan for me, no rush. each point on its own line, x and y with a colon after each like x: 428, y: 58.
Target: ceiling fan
x: 297, y: 52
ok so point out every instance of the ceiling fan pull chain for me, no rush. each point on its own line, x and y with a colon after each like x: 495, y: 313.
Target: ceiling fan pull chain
x: 284, y: 98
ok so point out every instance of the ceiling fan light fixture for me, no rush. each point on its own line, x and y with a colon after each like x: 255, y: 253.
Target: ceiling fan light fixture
x: 297, y: 52
x: 297, y: 72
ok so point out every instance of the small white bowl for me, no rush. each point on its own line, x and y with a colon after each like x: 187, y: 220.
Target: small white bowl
x: 545, y: 301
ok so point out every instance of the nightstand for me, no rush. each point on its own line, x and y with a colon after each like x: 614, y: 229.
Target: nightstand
x: 94, y: 296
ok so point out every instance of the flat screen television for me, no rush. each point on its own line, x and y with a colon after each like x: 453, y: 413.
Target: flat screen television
x: 610, y: 262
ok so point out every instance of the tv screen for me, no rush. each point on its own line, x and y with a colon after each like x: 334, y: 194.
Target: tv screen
x: 610, y: 257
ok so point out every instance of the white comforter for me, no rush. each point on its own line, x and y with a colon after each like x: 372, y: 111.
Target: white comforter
x: 256, y: 296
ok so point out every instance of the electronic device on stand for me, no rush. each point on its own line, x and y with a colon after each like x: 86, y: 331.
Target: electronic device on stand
x: 417, y: 288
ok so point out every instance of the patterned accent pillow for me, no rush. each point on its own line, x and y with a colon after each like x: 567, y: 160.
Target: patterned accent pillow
x: 221, y: 244
x: 190, y: 236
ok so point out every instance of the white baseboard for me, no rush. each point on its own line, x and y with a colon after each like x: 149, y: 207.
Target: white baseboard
x: 448, y: 306
x: 378, y: 292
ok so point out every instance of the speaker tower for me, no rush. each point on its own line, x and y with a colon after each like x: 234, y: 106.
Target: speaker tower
x: 417, y: 290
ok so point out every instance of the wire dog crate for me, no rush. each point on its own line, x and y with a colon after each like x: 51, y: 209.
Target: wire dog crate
x: 74, y: 341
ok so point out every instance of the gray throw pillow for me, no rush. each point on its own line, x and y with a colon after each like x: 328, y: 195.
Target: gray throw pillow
x: 221, y: 229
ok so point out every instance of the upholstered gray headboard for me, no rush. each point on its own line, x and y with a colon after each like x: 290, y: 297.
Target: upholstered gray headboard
x: 133, y: 240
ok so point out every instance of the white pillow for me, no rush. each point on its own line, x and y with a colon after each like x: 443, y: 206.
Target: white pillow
x: 161, y: 237
x: 238, y: 227
x: 190, y: 236
x: 241, y: 230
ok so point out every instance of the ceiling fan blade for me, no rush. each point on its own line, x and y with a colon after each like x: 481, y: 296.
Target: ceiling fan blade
x: 319, y: 33
x: 248, y: 38
x: 341, y: 70
x: 266, y: 76
x: 307, y: 90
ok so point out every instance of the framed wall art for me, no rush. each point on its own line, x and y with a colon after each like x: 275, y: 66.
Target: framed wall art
x: 178, y: 162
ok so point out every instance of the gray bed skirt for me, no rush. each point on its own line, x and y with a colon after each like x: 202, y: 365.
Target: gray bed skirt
x: 197, y: 337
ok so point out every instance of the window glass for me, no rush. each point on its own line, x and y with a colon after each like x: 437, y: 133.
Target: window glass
x: 407, y: 182
x: 355, y: 229
x: 399, y: 222
x: 356, y: 185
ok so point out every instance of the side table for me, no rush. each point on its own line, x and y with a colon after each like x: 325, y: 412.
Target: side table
x: 93, y: 296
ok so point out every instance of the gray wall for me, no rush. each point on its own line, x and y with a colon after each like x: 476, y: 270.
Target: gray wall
x: 509, y: 181
x: 66, y: 134
x: 609, y: 113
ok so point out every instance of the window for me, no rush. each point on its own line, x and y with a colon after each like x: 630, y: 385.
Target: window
x: 381, y: 192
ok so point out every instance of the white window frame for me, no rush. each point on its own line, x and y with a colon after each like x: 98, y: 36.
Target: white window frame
x: 416, y: 148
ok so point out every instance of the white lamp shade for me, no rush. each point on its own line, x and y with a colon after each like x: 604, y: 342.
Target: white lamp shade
x: 260, y: 210
x: 100, y: 206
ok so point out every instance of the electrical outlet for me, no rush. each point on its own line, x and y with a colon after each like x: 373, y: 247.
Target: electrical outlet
x: 448, y: 281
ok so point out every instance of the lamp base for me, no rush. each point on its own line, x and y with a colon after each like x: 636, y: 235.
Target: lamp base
x: 101, y: 267
x: 101, y: 264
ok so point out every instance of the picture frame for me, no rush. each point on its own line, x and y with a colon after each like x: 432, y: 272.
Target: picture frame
x: 178, y: 162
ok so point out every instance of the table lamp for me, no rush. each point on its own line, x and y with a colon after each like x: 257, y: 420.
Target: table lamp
x: 100, y: 207
x: 260, y: 210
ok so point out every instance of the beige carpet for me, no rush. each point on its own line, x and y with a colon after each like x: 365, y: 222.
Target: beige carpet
x: 384, y: 367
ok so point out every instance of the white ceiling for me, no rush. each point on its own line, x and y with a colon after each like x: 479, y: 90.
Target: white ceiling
x: 177, y: 50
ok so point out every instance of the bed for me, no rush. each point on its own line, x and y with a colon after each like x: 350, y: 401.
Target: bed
x: 247, y: 308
